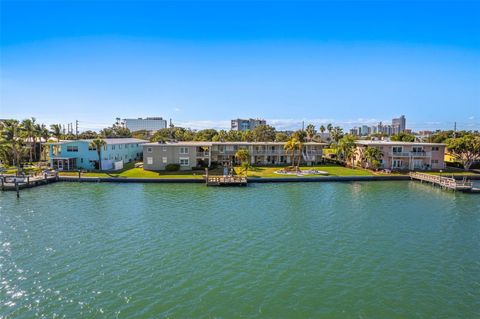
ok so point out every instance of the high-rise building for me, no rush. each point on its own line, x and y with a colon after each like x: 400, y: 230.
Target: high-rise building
x: 399, y: 124
x: 246, y: 124
x: 150, y: 124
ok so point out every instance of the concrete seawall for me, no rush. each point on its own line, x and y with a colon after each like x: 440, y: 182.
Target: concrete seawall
x: 250, y: 180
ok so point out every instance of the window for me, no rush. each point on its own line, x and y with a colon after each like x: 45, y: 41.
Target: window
x: 126, y: 145
x: 149, y: 149
x: 397, y: 163
x: 229, y: 148
x: 434, y: 161
x: 164, y: 149
x: 417, y: 149
x: 183, y: 150
x: 397, y: 149
x: 113, y: 147
x: 149, y: 160
x: 81, y: 160
x: 120, y: 146
x: 184, y: 161
x: 164, y: 160
x: 91, y: 148
x: 435, y: 148
x: 71, y: 148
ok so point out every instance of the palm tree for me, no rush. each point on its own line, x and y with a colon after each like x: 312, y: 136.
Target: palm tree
x: 329, y: 127
x: 291, y: 146
x: 29, y: 130
x: 373, y: 156
x: 336, y: 133
x: 56, y: 131
x: 346, y: 149
x: 97, y: 144
x: 322, y: 129
x: 310, y: 131
x: 244, y: 157
x: 43, y: 133
x: 11, y: 142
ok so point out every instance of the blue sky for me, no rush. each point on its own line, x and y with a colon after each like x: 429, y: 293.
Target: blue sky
x: 203, y: 63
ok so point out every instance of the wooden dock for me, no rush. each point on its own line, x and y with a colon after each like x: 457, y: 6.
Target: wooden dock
x: 444, y: 182
x: 228, y: 180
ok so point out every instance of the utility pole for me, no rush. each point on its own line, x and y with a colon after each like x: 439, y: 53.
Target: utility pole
x: 76, y: 128
x: 454, y: 129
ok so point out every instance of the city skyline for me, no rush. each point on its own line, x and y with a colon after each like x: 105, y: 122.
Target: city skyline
x: 205, y: 63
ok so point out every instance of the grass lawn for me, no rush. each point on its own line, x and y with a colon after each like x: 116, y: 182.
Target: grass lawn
x: 449, y: 171
x: 129, y: 170
x: 333, y: 170
x: 259, y: 171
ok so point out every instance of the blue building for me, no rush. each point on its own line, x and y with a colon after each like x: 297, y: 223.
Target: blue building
x: 78, y: 154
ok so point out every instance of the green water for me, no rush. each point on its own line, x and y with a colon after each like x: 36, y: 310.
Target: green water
x: 312, y: 250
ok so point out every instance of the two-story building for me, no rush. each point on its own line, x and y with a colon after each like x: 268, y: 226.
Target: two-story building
x: 156, y: 156
x: 79, y: 154
x: 405, y: 155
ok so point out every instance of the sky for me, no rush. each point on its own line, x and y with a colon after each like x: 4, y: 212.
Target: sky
x: 204, y: 63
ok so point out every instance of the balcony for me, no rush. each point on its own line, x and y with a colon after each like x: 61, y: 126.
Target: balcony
x: 410, y: 154
x: 203, y: 154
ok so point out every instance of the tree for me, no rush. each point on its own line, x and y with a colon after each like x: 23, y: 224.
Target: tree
x: 56, y: 130
x: 310, y: 130
x: 322, y: 129
x: 98, y: 144
x: 29, y: 130
x: 11, y: 142
x: 336, y: 133
x: 403, y: 137
x: 264, y: 133
x: 44, y: 134
x: 115, y: 131
x: 205, y: 135
x: 291, y: 146
x: 244, y: 157
x: 346, y: 149
x: 87, y: 135
x: 281, y: 137
x: 329, y: 128
x: 373, y: 156
x: 465, y: 149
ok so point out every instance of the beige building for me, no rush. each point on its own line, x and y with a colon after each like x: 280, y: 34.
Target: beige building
x: 405, y: 155
x: 156, y: 156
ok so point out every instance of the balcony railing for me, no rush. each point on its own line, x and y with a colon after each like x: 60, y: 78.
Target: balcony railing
x: 410, y: 154
x: 202, y: 154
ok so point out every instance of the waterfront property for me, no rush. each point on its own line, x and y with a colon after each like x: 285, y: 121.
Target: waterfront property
x: 78, y: 154
x: 404, y: 155
x: 156, y: 156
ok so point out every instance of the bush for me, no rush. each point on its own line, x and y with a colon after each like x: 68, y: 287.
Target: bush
x: 172, y: 167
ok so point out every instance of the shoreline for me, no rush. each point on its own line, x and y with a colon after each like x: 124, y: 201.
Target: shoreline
x: 250, y: 180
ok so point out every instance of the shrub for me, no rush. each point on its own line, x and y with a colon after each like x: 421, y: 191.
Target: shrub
x: 172, y: 167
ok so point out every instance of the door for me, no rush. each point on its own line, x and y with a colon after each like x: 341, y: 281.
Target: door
x: 60, y: 165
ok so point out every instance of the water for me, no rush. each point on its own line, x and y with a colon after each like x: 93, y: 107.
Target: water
x: 313, y: 250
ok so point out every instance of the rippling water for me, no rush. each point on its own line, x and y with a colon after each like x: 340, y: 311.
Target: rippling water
x: 313, y: 250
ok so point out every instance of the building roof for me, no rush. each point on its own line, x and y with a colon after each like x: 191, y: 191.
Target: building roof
x: 109, y: 141
x: 200, y: 143
x: 394, y: 143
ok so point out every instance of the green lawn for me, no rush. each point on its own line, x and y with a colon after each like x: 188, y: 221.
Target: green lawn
x: 130, y: 171
x: 449, y: 171
x: 333, y: 170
